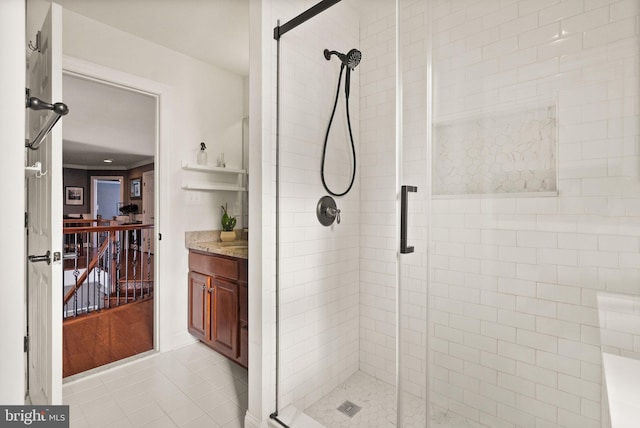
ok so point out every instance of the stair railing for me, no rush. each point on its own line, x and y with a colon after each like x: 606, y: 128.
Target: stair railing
x: 106, y: 264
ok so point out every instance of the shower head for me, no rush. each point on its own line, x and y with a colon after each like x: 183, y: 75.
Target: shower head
x: 351, y: 59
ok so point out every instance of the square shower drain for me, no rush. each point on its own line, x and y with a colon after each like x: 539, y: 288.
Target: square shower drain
x: 349, y: 409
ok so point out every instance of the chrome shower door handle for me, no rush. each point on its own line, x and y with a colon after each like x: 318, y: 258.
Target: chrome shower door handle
x: 404, y: 248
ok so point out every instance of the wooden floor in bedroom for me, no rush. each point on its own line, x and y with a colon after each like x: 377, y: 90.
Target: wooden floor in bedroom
x: 107, y: 336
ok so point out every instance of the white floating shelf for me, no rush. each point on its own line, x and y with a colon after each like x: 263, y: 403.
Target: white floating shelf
x: 211, y: 171
x: 212, y: 186
x: 207, y: 168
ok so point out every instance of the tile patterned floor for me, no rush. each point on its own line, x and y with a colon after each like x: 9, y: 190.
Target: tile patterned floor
x: 192, y: 387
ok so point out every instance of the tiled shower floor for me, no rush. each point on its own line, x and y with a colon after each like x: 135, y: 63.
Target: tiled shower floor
x: 378, y: 402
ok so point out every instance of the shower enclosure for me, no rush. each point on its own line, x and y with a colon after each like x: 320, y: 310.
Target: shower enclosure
x: 502, y: 137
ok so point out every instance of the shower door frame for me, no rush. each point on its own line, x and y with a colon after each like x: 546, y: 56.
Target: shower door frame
x: 278, y: 32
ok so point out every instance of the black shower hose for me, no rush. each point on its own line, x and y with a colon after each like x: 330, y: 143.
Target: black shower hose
x: 326, y: 138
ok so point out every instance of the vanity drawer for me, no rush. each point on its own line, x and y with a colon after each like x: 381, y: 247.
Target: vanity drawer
x: 215, y: 265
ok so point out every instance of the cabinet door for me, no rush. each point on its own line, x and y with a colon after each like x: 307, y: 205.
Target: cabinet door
x: 199, y: 304
x: 224, y: 317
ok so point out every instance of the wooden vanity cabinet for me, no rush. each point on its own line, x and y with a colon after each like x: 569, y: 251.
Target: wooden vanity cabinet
x: 218, y: 302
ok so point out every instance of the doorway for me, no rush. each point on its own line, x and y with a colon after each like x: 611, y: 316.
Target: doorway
x: 110, y: 145
x: 107, y: 193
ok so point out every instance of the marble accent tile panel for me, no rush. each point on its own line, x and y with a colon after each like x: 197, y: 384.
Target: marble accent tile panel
x: 506, y: 152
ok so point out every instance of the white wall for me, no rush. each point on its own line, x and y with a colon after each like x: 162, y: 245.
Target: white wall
x: 12, y: 254
x: 261, y: 345
x: 514, y: 324
x: 206, y: 105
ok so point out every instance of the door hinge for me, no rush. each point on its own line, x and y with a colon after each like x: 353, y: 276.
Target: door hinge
x: 159, y: 236
x: 26, y: 220
x: 26, y: 344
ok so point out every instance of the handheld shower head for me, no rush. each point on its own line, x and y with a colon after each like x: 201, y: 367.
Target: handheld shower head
x: 351, y: 59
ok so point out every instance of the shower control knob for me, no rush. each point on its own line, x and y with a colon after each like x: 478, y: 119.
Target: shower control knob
x: 327, y: 211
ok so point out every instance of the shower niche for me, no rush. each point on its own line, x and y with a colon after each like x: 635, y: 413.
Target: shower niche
x: 506, y: 151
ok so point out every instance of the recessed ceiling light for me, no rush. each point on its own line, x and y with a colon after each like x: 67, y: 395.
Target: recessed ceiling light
x: 108, y: 160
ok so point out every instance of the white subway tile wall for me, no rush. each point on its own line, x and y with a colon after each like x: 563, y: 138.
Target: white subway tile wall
x: 514, y: 331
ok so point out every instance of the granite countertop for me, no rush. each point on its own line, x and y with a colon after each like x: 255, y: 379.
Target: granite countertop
x: 237, y: 249
x: 209, y: 242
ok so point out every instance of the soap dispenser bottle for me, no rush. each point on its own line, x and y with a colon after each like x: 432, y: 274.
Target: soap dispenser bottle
x: 202, y: 154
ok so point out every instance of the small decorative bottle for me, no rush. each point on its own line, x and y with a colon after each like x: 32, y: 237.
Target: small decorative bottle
x: 202, y: 154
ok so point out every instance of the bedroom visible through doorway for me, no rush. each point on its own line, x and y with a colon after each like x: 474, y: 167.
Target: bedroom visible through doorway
x: 109, y: 263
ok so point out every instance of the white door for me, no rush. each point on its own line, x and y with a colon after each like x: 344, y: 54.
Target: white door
x: 44, y: 209
x: 148, y: 208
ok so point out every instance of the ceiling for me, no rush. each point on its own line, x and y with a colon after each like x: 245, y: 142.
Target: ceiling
x: 113, y: 123
x: 213, y: 31
x: 108, y: 122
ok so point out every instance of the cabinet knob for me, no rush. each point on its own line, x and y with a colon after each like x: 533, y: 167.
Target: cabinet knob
x: 204, y: 287
x: 210, y: 290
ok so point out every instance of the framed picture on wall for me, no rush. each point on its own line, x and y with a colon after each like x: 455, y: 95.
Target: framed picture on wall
x: 136, y: 188
x: 74, y: 195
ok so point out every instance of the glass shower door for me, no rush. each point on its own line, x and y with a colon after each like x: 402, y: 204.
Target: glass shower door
x: 352, y: 347
x: 333, y: 328
x: 413, y: 208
